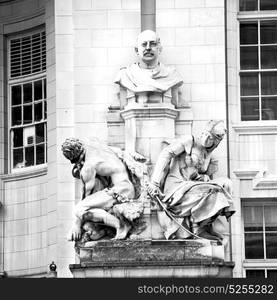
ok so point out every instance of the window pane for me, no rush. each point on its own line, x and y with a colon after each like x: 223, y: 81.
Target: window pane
x: 249, y: 84
x: 45, y: 110
x: 29, y: 156
x: 18, y: 158
x: 268, y: 4
x: 38, y: 90
x: 16, y: 115
x: 268, y: 57
x: 253, y: 218
x: 45, y: 88
x: 18, y: 137
x: 269, y: 86
x: 269, y: 32
x: 16, y: 94
x: 254, y: 245
x: 271, y: 245
x: 249, y: 109
x: 249, y: 58
x: 248, y: 5
x: 248, y: 33
x: 40, y: 133
x: 272, y: 274
x: 27, y: 114
x: 27, y: 92
x: 269, y: 112
x: 255, y: 274
x: 40, y: 154
x: 38, y: 111
x: 270, y: 213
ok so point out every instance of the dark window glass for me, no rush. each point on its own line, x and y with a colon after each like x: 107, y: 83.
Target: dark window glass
x: 269, y: 112
x: 39, y: 133
x: 255, y: 274
x: 268, y: 4
x: 245, y: 5
x: 269, y: 86
x: 18, y: 158
x: 38, y: 90
x: 45, y: 88
x: 38, y: 111
x: 248, y: 33
x: 249, y: 84
x: 268, y: 57
x: 40, y: 154
x: 27, y: 92
x: 253, y: 218
x: 254, y: 245
x: 269, y: 32
x: 270, y: 213
x: 45, y: 110
x: 272, y: 274
x: 16, y: 94
x: 29, y: 156
x: 18, y: 137
x: 16, y: 115
x: 249, y: 109
x: 271, y: 245
x: 249, y: 58
x: 27, y: 114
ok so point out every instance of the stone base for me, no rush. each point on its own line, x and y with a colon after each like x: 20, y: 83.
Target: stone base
x: 186, y: 258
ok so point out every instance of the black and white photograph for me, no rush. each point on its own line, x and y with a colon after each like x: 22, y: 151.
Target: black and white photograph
x: 138, y: 139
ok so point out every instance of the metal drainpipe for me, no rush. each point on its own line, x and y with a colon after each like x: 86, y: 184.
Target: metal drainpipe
x: 227, y: 113
x: 148, y: 14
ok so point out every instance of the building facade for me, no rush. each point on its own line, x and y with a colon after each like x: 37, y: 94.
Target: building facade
x: 58, y: 62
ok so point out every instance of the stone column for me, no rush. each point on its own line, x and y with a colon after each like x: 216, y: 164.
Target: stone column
x: 148, y: 14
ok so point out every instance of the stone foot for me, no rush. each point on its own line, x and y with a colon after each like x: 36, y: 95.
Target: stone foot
x: 122, y: 232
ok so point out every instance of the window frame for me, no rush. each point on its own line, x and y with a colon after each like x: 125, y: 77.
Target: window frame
x: 247, y: 17
x: 42, y: 75
x: 257, y: 263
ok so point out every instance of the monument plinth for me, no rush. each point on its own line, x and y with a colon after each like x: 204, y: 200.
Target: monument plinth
x: 178, y: 258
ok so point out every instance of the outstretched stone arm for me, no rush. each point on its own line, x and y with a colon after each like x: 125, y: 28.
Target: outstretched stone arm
x: 174, y: 149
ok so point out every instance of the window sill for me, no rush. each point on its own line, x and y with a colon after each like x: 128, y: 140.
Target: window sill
x: 256, y: 127
x: 25, y: 173
x: 260, y: 263
x: 255, y: 15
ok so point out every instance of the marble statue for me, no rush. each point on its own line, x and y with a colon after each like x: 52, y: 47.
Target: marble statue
x: 182, y: 180
x: 148, y: 74
x: 111, y: 189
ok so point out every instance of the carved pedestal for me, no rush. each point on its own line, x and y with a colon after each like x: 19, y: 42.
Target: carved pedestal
x: 186, y: 258
x: 147, y: 127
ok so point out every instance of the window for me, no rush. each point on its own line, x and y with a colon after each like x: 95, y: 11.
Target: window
x: 258, y: 63
x: 261, y: 273
x: 252, y: 5
x: 27, y: 100
x: 260, y: 231
x: 260, y: 239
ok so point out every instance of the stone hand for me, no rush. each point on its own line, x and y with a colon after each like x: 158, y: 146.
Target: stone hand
x: 138, y: 157
x: 75, y: 234
x: 203, y: 177
x: 153, y: 190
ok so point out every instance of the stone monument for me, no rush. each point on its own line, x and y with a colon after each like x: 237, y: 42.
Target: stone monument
x: 128, y: 225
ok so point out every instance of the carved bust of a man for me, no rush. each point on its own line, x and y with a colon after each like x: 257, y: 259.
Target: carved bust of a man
x: 148, y: 74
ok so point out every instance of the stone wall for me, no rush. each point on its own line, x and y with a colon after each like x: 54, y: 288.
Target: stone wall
x: 23, y: 216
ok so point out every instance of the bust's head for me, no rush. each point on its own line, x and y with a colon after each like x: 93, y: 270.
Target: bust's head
x: 148, y: 48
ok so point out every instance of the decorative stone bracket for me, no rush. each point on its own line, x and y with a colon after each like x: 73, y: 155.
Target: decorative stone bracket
x: 261, y: 180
